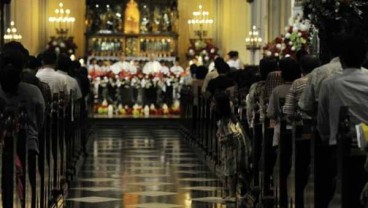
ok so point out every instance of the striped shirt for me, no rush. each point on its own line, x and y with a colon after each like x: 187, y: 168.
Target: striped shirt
x: 292, y: 98
x: 273, y: 80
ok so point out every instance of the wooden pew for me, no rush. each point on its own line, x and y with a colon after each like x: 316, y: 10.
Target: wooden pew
x: 351, y: 175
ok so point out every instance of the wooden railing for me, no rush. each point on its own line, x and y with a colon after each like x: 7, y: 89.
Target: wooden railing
x: 42, y: 180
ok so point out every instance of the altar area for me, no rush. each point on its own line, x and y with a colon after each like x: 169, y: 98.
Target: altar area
x: 132, y: 48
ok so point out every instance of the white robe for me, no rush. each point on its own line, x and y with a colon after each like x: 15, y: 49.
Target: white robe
x: 151, y: 67
x: 123, y: 66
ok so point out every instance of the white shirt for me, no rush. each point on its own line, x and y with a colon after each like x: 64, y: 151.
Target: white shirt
x: 151, y: 67
x: 165, y: 70
x: 177, y: 70
x: 347, y: 89
x: 123, y: 66
x: 56, y: 81
x: 71, y: 84
x: 94, y: 68
x: 235, y: 64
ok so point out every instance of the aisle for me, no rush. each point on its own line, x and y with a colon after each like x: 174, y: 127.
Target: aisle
x: 143, y: 168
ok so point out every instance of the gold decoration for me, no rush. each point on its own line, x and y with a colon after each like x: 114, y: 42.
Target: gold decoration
x: 132, y: 18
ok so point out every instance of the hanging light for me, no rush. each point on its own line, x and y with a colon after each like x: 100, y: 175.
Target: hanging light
x: 62, y: 21
x: 200, y: 18
x: 11, y: 33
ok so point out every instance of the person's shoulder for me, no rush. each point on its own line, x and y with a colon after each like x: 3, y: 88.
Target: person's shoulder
x: 28, y: 88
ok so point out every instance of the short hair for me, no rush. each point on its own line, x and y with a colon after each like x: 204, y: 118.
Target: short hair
x: 233, y: 54
x: 267, y: 65
x: 201, y: 72
x: 11, y: 67
x: 334, y: 44
x: 290, y: 69
x: 33, y: 63
x: 177, y: 59
x: 49, y: 57
x: 308, y: 63
x: 64, y: 63
x: 221, y: 66
x: 17, y: 46
x: 354, y: 52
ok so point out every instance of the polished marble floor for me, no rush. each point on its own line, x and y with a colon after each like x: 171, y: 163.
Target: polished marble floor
x: 144, y: 168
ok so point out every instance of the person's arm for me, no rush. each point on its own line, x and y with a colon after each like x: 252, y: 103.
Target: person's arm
x: 289, y: 107
x: 271, y: 110
x: 40, y: 107
x: 308, y: 98
x: 323, y: 121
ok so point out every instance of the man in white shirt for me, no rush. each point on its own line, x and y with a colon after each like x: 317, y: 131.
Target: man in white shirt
x: 234, y: 61
x: 152, y: 66
x: 64, y: 65
x: 346, y: 89
x: 177, y: 69
x: 164, y: 69
x: 48, y: 74
x: 123, y: 65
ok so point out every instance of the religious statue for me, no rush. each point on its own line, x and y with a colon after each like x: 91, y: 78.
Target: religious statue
x: 156, y: 27
x: 132, y: 18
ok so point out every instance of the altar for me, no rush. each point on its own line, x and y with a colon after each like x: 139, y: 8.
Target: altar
x: 132, y: 48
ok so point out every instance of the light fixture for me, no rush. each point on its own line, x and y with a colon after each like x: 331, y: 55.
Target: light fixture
x: 11, y: 33
x: 62, y: 21
x: 253, y: 42
x: 200, y: 18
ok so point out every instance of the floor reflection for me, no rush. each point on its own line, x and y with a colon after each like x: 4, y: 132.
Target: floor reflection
x: 139, y: 168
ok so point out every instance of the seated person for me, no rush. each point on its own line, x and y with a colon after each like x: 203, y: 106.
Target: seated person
x: 307, y: 64
x: 290, y: 71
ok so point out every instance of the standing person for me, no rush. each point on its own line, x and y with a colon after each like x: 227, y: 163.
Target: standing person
x: 17, y: 93
x: 123, y: 66
x: 152, y: 66
x: 235, y: 146
x: 177, y: 70
x: 64, y: 65
x: 234, y: 61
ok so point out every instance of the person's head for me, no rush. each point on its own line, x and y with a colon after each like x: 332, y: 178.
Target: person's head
x: 308, y: 63
x: 11, y: 66
x: 222, y: 105
x: 290, y: 69
x: 267, y: 65
x: 93, y: 61
x: 221, y: 66
x: 334, y: 44
x: 233, y: 55
x: 300, y: 54
x: 201, y: 72
x: 23, y: 52
x: 64, y: 63
x: 33, y: 63
x: 49, y: 58
x: 354, y: 52
x: 163, y: 63
x: 152, y: 57
x: 177, y: 61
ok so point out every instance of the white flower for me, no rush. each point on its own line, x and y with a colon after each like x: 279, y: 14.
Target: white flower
x: 204, y: 52
x: 300, y: 34
x: 287, y: 55
x: 70, y: 51
x: 287, y: 35
x: 268, y: 53
x: 278, y: 46
x: 276, y: 54
x: 57, y: 50
x: 212, y: 50
x: 191, y: 52
x: 293, y: 48
x: 304, y: 28
x: 206, y: 58
x: 54, y: 43
x: 290, y: 43
x: 283, y: 46
x: 62, y: 45
x: 295, y: 29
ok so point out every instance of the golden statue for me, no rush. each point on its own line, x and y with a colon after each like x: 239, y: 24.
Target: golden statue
x: 132, y: 18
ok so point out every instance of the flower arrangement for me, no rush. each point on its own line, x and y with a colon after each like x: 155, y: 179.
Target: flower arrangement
x: 297, y: 36
x: 62, y: 45
x: 203, y: 50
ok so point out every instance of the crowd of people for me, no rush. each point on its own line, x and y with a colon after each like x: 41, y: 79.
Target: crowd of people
x: 292, y: 88
x: 32, y: 82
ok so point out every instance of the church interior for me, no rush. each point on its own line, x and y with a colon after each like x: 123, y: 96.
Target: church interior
x: 183, y: 103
